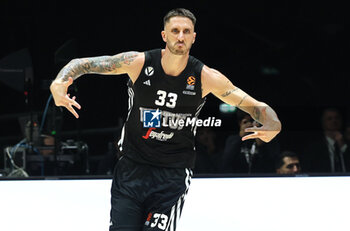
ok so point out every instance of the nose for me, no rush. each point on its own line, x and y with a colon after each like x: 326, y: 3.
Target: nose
x: 180, y: 36
x: 295, y: 169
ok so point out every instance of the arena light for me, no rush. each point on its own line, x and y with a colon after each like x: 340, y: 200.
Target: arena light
x: 226, y: 108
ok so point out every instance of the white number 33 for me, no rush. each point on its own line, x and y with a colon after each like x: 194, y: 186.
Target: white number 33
x: 169, y: 99
x: 161, y: 220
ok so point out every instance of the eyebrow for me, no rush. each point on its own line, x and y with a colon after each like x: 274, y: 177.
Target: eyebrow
x: 177, y: 27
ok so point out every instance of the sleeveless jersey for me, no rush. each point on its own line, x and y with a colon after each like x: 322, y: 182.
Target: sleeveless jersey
x: 160, y: 125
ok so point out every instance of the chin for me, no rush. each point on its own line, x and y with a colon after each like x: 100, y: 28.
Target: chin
x: 175, y: 51
x: 180, y: 52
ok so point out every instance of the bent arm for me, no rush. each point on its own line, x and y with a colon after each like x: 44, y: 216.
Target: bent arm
x: 216, y: 83
x: 122, y: 63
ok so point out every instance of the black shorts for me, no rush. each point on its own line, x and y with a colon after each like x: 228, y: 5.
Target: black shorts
x: 146, y: 197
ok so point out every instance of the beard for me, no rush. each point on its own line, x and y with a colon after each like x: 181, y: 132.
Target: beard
x: 177, y: 51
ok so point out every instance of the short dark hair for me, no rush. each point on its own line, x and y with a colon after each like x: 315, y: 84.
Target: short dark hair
x: 240, y: 115
x: 331, y: 109
x: 179, y: 12
x: 279, y: 162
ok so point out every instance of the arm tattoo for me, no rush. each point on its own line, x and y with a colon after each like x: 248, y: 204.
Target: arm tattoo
x: 98, y: 65
x: 239, y: 104
x: 227, y: 93
x: 256, y: 114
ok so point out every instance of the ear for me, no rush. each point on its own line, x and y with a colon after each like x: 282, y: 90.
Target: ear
x: 163, y: 36
x: 194, y: 37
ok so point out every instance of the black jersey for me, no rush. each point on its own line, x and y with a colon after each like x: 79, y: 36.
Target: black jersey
x: 160, y: 125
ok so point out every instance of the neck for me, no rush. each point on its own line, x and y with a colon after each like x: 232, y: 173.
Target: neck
x: 173, y: 64
x: 330, y: 134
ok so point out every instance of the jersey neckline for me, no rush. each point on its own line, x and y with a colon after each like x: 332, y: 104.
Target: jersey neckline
x: 172, y: 76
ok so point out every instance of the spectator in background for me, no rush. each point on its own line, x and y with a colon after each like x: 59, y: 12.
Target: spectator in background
x: 329, y: 153
x: 208, y: 153
x: 288, y: 163
x: 250, y: 156
x: 347, y: 134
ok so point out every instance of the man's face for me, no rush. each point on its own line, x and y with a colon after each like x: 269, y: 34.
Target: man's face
x: 246, y: 122
x: 179, y: 35
x: 291, y: 166
x: 332, y: 121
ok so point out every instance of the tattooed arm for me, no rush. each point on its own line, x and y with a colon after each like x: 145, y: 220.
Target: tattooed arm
x: 125, y: 63
x: 216, y: 83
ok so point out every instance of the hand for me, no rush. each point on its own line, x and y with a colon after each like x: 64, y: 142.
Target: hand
x: 265, y: 133
x: 59, y: 90
x: 339, y: 138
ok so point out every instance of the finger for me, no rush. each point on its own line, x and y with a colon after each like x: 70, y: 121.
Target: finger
x: 75, y: 104
x: 72, y: 101
x: 250, y: 136
x: 251, y: 129
x: 71, y: 109
x: 254, y: 129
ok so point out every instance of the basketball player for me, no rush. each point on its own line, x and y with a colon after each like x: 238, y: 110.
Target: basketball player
x: 166, y: 87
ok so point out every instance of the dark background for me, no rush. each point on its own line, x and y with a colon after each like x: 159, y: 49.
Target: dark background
x: 289, y: 54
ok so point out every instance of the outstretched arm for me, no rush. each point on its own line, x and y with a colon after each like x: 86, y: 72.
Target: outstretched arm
x: 125, y: 63
x: 218, y: 84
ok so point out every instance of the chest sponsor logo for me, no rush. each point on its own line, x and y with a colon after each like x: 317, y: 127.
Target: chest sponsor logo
x: 149, y: 71
x: 152, y: 118
x: 160, y: 136
x: 155, y: 118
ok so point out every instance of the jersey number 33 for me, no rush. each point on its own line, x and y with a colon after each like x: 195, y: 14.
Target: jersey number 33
x: 166, y: 98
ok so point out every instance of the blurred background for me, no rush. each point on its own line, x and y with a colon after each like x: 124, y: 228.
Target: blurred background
x: 289, y: 54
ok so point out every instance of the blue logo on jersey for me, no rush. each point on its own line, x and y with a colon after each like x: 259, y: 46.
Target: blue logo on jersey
x: 151, y: 118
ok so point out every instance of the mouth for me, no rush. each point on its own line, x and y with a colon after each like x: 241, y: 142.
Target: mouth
x: 180, y: 44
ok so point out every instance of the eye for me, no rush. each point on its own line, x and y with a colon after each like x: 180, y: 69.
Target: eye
x: 290, y: 166
x: 175, y: 30
x: 187, y: 31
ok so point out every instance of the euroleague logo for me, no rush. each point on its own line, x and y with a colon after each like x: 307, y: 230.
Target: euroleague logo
x: 191, y: 80
x: 149, y: 71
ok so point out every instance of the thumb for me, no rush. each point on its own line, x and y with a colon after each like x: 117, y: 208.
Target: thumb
x: 70, y: 81
x: 251, y: 129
